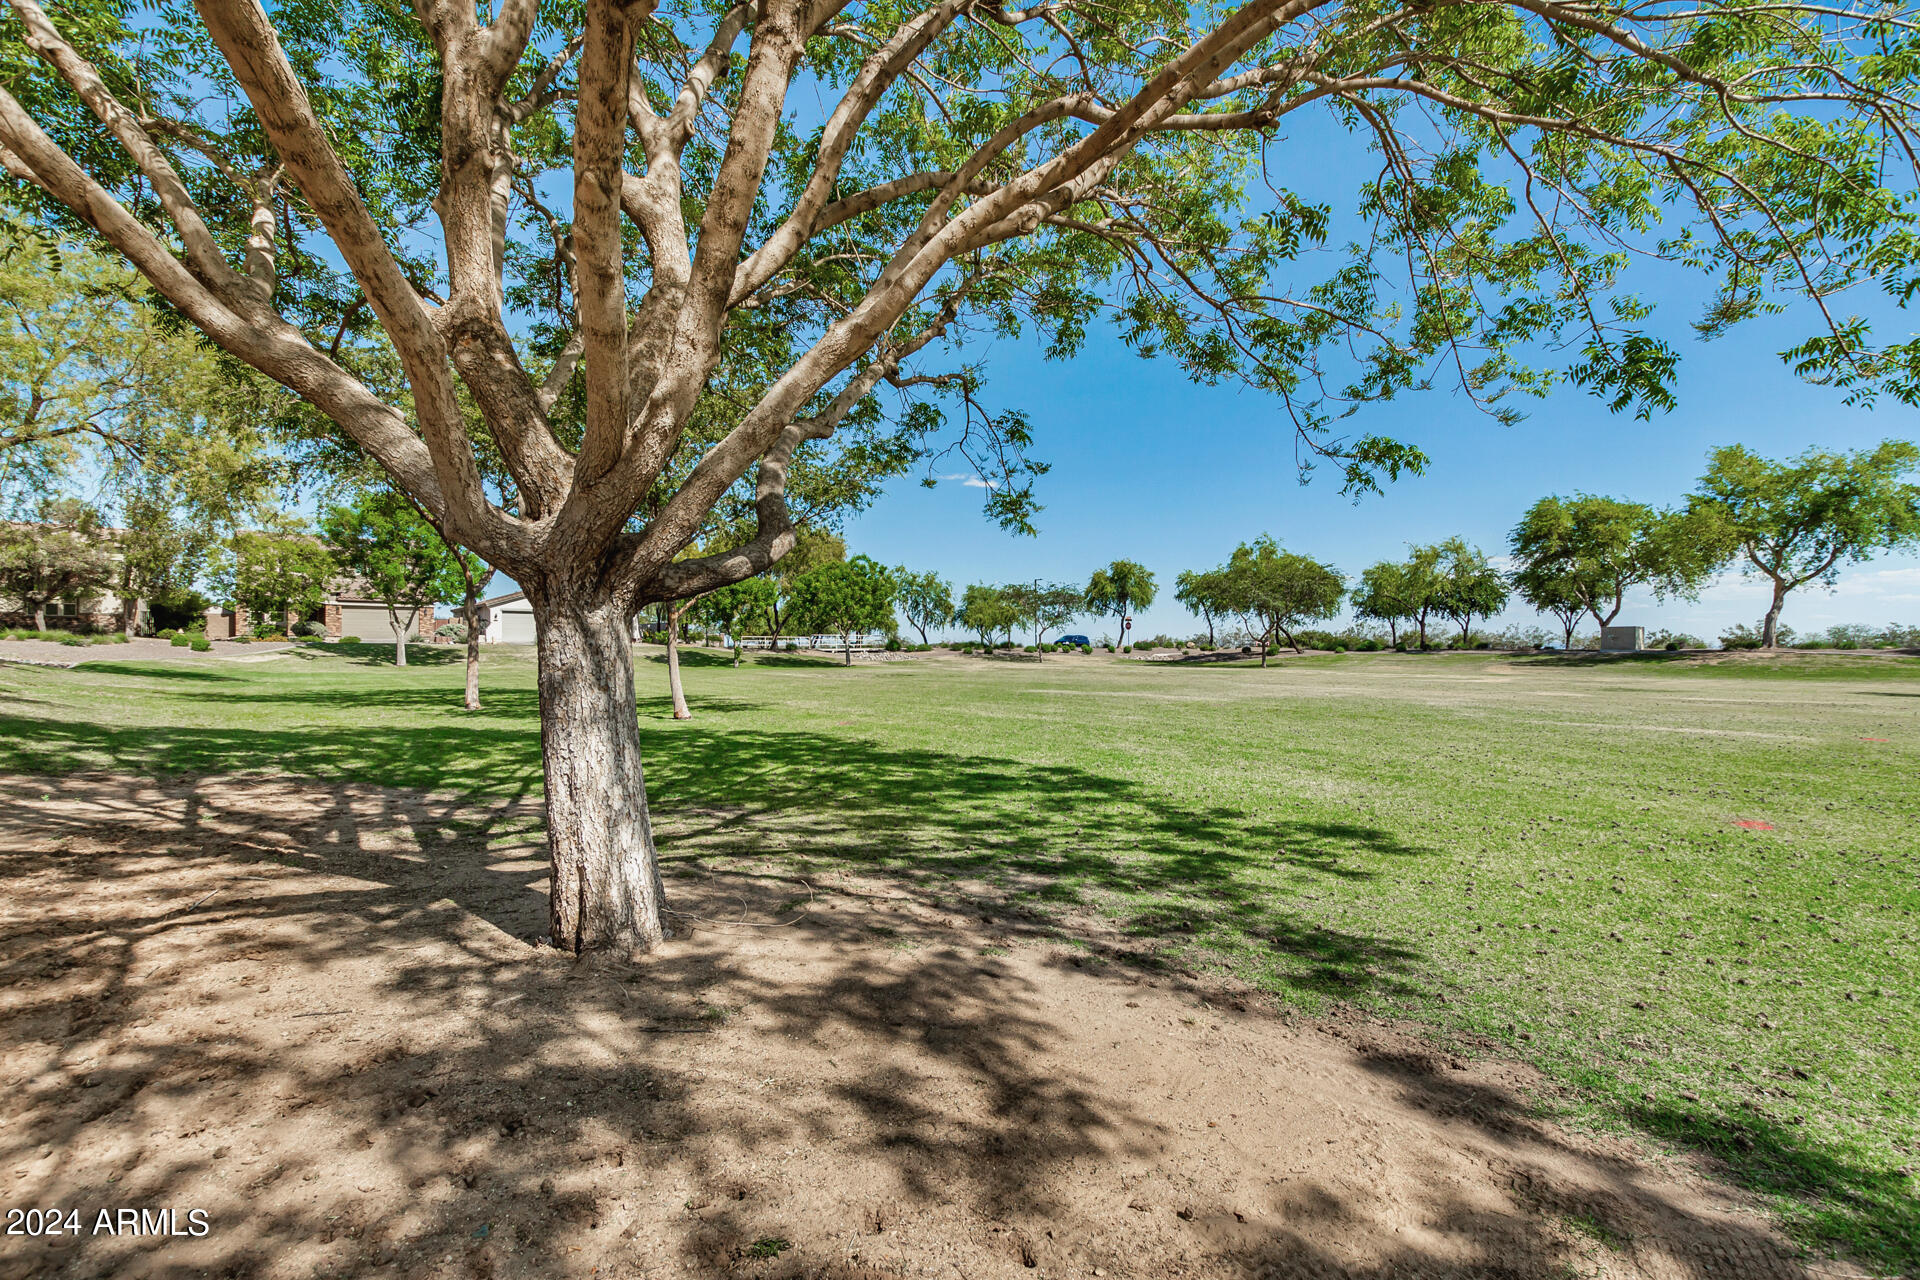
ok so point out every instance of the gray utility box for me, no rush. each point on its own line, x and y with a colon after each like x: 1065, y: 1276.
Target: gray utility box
x: 1622, y: 639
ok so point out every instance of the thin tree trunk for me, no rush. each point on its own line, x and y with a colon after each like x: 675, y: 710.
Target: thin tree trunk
x: 736, y: 653
x: 130, y: 614
x: 1423, y: 629
x: 1466, y: 632
x: 40, y: 616
x: 1393, y: 634
x: 679, y: 695
x: 846, y: 648
x: 399, y: 637
x: 606, y: 890
x: 470, y: 611
x: 1290, y: 640
x: 1770, y: 628
x: 1568, y: 627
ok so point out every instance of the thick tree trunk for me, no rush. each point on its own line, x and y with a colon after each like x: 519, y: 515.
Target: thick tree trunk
x: 399, y: 637
x: 1770, y: 627
x: 130, y: 614
x: 674, y: 688
x: 606, y: 890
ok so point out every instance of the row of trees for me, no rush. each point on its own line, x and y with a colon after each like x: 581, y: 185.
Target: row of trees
x: 1039, y: 607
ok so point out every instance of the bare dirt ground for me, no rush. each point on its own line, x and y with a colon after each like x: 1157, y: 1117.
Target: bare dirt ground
x: 311, y: 1012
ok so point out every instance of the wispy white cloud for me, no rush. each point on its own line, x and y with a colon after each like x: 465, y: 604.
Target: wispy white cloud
x: 968, y: 479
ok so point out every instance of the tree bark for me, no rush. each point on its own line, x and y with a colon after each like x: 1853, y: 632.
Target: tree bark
x: 1423, y: 628
x: 39, y: 615
x: 606, y: 890
x: 1393, y: 634
x: 674, y: 688
x: 1770, y: 627
x: 470, y: 611
x: 399, y: 637
x: 130, y: 614
x: 846, y: 648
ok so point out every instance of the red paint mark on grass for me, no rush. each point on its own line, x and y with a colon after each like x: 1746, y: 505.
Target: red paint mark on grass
x: 1750, y: 825
x: 1876, y: 739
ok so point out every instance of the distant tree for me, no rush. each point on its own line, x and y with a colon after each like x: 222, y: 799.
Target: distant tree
x: 1467, y: 586
x: 1043, y: 606
x: 985, y: 610
x: 843, y: 598
x: 158, y: 554
x: 1118, y: 590
x: 1798, y: 521
x: 1202, y: 592
x: 1422, y: 586
x: 400, y: 558
x: 61, y: 554
x: 1276, y: 591
x: 811, y: 549
x: 1387, y: 592
x: 734, y: 608
x: 1597, y: 549
x: 1552, y: 592
x: 925, y: 599
x: 275, y: 571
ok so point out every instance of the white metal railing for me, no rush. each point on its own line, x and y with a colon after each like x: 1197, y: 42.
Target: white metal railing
x: 865, y: 642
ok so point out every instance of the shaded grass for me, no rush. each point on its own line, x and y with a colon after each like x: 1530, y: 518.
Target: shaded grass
x: 1541, y: 852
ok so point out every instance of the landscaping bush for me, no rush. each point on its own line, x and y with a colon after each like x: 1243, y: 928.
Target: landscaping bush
x: 181, y: 639
x: 312, y: 630
x: 1086, y: 648
x: 349, y: 639
x: 201, y: 644
x: 167, y: 634
x: 73, y: 640
x: 893, y: 644
x: 1339, y: 648
x: 452, y: 633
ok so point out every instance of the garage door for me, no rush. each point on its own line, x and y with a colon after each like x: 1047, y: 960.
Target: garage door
x: 517, y: 627
x: 369, y: 621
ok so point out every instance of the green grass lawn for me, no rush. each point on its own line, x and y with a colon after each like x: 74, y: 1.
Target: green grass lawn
x: 1540, y: 851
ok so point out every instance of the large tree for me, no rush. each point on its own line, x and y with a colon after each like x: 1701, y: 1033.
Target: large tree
x: 1275, y: 592
x: 61, y: 554
x: 599, y: 224
x: 1118, y: 590
x: 1601, y: 548
x: 1798, y: 521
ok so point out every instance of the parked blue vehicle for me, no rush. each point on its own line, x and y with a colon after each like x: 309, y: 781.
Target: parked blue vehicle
x: 1073, y: 640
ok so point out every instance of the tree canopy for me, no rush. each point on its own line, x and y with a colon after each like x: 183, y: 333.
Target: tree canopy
x: 1598, y: 549
x: 610, y: 246
x: 1276, y: 591
x: 925, y: 599
x: 59, y: 555
x: 1798, y: 521
x: 843, y: 598
x: 398, y: 558
x: 1467, y: 586
x: 1117, y: 590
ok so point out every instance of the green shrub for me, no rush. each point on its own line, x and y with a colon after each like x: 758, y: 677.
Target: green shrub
x: 349, y: 639
x: 1339, y: 648
x: 167, y: 634
x: 181, y: 640
x: 243, y: 639
x: 893, y: 644
x: 310, y: 629
x: 1086, y: 648
x: 201, y: 644
x: 74, y: 640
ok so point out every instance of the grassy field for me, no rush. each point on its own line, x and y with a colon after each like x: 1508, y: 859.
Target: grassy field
x: 1547, y: 852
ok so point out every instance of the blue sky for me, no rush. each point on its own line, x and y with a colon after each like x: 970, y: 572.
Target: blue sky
x: 1149, y: 467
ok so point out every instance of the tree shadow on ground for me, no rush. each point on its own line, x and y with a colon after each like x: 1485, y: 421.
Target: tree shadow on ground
x: 358, y: 1070
x: 1045, y: 851
x: 159, y: 670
